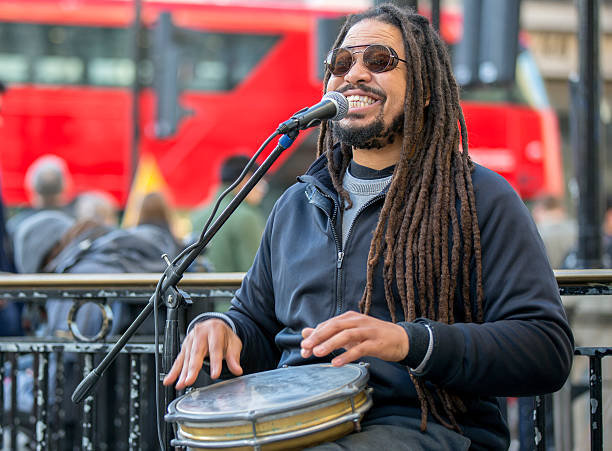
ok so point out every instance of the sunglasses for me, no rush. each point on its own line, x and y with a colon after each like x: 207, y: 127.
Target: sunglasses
x: 376, y: 58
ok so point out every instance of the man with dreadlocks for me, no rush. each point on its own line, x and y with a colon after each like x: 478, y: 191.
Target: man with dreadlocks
x: 395, y: 249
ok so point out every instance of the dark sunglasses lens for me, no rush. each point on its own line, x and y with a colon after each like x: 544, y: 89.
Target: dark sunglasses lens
x: 340, y: 61
x: 377, y: 58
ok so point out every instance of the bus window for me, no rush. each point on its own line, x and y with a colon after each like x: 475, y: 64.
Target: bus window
x: 65, y: 55
x: 58, y: 70
x: 220, y: 61
x: 100, y: 56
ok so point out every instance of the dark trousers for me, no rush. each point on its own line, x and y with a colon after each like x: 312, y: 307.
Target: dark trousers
x: 387, y: 437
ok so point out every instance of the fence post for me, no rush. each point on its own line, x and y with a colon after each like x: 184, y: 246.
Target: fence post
x: 595, y: 402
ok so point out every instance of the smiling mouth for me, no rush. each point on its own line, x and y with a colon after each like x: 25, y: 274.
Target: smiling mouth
x: 360, y: 101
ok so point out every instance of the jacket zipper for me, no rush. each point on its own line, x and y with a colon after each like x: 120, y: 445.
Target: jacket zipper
x: 339, y: 251
x: 339, y: 268
x: 339, y: 248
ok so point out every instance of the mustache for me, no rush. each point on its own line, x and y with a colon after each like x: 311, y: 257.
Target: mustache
x: 363, y: 88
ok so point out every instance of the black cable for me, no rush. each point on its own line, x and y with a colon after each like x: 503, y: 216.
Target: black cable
x: 158, y: 405
x: 176, y: 260
x: 229, y: 189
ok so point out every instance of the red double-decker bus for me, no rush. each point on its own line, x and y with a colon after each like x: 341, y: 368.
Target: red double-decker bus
x: 246, y: 67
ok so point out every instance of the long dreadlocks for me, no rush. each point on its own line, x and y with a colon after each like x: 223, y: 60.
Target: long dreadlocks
x: 427, y: 236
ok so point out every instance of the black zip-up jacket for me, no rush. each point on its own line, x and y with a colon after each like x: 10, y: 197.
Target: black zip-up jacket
x: 303, y: 275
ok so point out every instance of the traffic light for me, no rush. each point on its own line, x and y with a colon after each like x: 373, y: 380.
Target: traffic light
x: 487, y: 53
x: 166, y: 83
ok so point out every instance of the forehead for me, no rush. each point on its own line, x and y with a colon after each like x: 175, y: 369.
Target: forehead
x: 372, y: 31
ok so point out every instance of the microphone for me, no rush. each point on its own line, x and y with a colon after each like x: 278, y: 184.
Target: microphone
x: 333, y: 106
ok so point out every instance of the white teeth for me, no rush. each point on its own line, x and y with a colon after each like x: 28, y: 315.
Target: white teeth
x: 359, y: 101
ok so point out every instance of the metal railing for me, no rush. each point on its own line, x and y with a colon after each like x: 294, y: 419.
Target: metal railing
x: 122, y: 409
x: 576, y: 283
x: 39, y: 373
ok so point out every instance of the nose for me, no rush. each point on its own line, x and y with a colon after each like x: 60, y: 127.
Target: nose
x: 358, y: 72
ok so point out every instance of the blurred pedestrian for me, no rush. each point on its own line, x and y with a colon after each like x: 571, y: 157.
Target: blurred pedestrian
x: 557, y: 229
x: 46, y: 181
x: 571, y: 260
x: 51, y: 241
x: 36, y: 237
x: 97, y: 206
x: 234, y: 247
x: 155, y: 211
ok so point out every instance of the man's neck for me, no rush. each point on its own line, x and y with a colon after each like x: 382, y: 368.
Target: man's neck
x: 378, y: 158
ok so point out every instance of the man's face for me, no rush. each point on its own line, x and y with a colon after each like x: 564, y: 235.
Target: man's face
x: 376, y: 100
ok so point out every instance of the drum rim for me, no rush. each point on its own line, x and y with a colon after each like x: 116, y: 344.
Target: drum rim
x: 257, y: 441
x: 346, y: 391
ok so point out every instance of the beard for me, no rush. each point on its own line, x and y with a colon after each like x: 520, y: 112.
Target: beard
x: 372, y: 136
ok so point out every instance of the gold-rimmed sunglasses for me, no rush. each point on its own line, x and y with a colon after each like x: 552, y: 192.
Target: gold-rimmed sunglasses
x: 376, y: 58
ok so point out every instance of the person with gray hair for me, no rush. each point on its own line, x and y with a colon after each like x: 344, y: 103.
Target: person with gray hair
x: 46, y: 181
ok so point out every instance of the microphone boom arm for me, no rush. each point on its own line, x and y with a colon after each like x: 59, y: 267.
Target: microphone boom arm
x: 173, y: 275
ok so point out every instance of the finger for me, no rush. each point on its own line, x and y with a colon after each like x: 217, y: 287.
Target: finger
x: 186, y: 350
x: 306, y: 331
x: 306, y: 351
x: 199, y: 349
x: 331, y: 327
x: 232, y: 356
x: 321, y: 333
x: 176, y: 366
x: 344, y: 339
x: 352, y: 354
x: 216, y: 350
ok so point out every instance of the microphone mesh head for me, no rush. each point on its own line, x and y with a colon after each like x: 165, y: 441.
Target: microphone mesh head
x: 341, y: 103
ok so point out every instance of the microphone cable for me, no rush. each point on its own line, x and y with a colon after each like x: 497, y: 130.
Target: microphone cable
x: 157, y: 295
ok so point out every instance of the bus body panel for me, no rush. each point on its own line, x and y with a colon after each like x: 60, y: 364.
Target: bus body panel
x: 90, y: 126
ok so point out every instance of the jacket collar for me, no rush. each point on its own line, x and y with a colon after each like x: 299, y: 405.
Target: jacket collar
x: 318, y: 174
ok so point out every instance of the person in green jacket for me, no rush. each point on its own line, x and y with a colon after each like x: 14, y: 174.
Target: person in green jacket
x: 234, y: 246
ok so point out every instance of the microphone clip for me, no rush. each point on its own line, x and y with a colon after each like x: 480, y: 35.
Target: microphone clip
x: 293, y: 123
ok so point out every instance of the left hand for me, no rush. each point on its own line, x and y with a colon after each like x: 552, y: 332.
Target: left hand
x: 360, y: 335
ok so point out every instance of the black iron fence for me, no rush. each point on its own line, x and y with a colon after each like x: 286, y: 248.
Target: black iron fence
x: 39, y: 373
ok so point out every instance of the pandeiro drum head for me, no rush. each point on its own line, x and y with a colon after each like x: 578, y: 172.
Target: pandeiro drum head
x: 285, y: 408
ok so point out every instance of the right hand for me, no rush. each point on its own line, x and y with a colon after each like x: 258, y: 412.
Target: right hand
x: 212, y: 338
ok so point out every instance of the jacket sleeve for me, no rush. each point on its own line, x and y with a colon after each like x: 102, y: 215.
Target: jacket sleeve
x: 253, y: 310
x: 525, y: 345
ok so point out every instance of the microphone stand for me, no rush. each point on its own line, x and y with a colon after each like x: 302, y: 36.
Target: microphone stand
x: 172, y: 276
